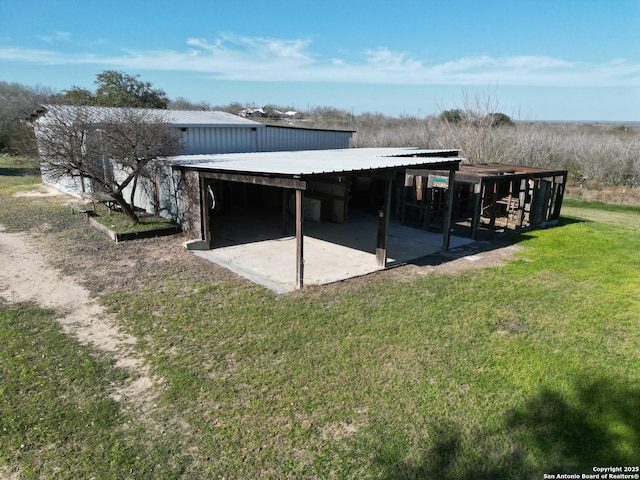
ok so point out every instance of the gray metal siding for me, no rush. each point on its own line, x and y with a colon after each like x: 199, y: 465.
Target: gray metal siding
x: 219, y: 140
x: 273, y: 139
x: 203, y: 140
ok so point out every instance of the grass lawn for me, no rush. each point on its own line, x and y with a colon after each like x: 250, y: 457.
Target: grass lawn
x: 508, y: 372
x: 120, y: 223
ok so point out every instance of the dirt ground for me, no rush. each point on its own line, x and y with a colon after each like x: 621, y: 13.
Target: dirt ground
x: 69, y: 278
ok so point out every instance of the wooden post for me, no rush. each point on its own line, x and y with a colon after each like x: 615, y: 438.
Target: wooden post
x: 509, y: 199
x: 285, y: 211
x: 446, y: 233
x: 299, y: 240
x: 205, y: 228
x: 383, y: 227
x: 425, y: 204
x: 562, y: 180
x: 477, y: 206
x: 494, y: 200
x: 522, y: 197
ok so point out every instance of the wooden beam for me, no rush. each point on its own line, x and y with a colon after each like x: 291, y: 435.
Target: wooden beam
x: 383, y: 227
x: 282, y: 182
x: 385, y: 173
x: 446, y: 233
x: 426, y: 170
x: 299, y: 239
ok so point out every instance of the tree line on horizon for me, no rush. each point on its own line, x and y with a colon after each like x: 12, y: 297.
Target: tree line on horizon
x: 591, y: 153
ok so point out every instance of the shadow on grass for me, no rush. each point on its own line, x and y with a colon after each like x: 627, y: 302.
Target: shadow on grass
x: 564, y: 221
x: 19, y: 172
x: 480, y: 246
x: 596, y: 424
x: 486, y: 244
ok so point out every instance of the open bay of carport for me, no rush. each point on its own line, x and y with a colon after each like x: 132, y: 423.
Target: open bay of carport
x: 258, y: 251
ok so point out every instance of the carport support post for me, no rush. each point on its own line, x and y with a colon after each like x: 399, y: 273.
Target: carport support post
x: 383, y: 227
x: 285, y: 211
x: 446, y: 234
x: 206, y: 222
x: 477, y: 204
x: 299, y: 240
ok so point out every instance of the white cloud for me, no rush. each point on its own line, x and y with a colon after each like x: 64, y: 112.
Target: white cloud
x: 57, y: 36
x: 231, y: 57
x: 239, y: 50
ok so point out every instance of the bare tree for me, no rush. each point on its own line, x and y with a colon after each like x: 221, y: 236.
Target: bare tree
x: 111, y: 147
x: 480, y: 130
x: 17, y: 103
x: 181, y: 103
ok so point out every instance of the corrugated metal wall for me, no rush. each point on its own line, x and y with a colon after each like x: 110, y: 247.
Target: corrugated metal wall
x: 219, y: 140
x: 274, y: 139
x: 202, y: 140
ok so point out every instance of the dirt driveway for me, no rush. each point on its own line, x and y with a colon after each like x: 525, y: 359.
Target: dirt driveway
x: 26, y: 277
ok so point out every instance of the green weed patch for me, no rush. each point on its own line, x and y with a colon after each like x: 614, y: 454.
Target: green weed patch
x: 120, y: 223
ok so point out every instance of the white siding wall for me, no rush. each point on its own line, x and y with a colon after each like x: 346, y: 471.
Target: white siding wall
x: 69, y: 185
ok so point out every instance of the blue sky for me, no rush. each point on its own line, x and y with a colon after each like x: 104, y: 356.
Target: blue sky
x: 531, y: 59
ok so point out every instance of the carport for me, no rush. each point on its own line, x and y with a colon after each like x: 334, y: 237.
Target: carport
x: 317, y: 186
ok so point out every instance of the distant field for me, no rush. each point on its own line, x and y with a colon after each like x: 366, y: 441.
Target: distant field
x: 507, y: 372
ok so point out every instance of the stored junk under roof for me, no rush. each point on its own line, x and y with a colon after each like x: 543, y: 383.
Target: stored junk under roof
x: 488, y: 198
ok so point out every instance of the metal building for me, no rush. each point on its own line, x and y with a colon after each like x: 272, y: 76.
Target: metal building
x: 202, y: 132
x: 206, y: 132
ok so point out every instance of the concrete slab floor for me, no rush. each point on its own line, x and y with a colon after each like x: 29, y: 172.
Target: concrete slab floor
x: 332, y: 252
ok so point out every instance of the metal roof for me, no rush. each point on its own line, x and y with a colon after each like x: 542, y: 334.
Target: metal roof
x: 477, y: 173
x: 311, y: 129
x: 316, y: 162
x: 192, y: 118
x: 177, y: 118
